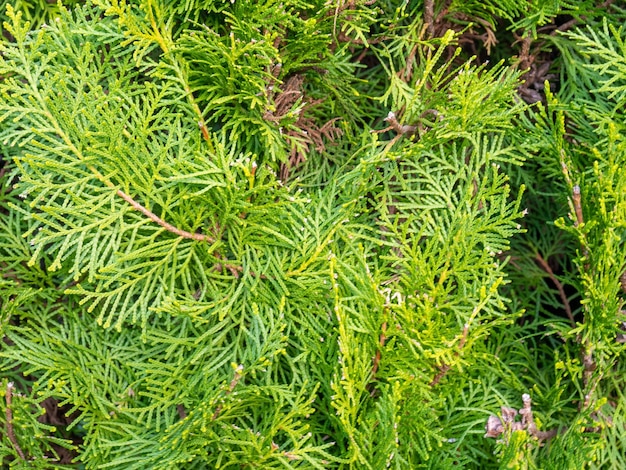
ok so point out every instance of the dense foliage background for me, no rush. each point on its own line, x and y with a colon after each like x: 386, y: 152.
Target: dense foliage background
x: 312, y: 234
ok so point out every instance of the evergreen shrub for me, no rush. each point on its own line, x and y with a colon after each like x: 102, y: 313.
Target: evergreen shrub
x: 312, y: 234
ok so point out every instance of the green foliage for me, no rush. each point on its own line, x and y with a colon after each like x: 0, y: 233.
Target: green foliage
x: 525, y: 17
x: 36, y: 12
x: 214, y: 254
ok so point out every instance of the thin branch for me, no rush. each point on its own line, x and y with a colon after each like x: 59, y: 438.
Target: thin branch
x: 574, y: 21
x: 231, y: 387
x: 444, y: 368
x: 396, y: 126
x: 429, y: 17
x: 525, y: 57
x: 407, y: 130
x: 235, y: 270
x: 577, y: 205
x: 376, y: 360
x: 589, y: 367
x: 167, y: 226
x: 351, y: 5
x: 565, y: 26
x: 546, y: 267
x: 9, y: 424
x: 164, y: 43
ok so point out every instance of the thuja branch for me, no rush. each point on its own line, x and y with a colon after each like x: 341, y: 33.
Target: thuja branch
x: 163, y: 38
x: 166, y: 43
x: 151, y: 215
x: 182, y: 76
x: 34, y: 89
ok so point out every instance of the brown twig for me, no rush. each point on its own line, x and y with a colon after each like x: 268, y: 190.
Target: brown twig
x: 376, y: 361
x: 9, y: 424
x: 589, y: 367
x: 574, y: 21
x: 406, y: 72
x: 429, y: 17
x: 578, y: 211
x: 565, y: 26
x: 167, y: 226
x: 408, y: 130
x: 235, y: 270
x: 525, y: 57
x: 348, y: 6
x: 444, y: 368
x: 231, y: 387
x: 396, y: 126
x: 546, y: 267
x: 204, y: 131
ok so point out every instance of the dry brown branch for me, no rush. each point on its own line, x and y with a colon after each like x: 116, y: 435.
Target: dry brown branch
x: 305, y: 132
x: 528, y: 421
x: 488, y: 38
x: 498, y: 426
x: 406, y: 72
x: 525, y: 57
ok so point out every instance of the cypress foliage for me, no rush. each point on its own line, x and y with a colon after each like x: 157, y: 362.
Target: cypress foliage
x: 310, y: 234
